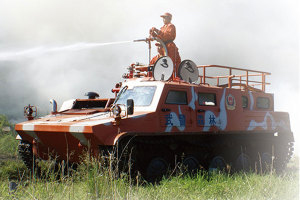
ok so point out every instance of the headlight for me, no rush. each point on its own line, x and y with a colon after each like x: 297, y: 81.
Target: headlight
x: 116, y: 111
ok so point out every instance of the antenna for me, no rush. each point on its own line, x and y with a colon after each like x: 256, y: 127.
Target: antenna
x: 188, y: 71
x: 163, y: 69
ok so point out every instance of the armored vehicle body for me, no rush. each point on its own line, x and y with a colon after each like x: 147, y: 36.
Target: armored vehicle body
x: 191, y: 116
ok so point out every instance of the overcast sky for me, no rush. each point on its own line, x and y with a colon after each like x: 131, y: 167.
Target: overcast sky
x: 260, y: 35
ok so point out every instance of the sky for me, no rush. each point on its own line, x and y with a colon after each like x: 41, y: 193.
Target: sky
x: 260, y: 35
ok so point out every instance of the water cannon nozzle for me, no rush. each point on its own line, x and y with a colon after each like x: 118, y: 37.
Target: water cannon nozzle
x: 140, y: 40
x: 144, y: 40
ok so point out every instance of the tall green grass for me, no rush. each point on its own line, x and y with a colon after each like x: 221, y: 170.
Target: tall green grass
x: 96, y: 179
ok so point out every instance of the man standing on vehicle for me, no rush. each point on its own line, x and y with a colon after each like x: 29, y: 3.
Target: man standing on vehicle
x: 160, y: 51
x: 167, y: 34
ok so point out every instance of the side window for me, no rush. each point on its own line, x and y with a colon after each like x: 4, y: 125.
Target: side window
x: 207, y: 99
x: 263, y: 102
x: 176, y: 97
x: 245, y: 102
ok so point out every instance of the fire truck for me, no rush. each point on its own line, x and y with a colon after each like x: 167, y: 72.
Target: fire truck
x: 201, y: 117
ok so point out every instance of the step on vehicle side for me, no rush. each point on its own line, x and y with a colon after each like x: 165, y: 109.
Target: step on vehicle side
x: 164, y: 117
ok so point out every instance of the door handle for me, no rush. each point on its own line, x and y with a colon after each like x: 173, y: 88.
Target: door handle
x: 200, y: 110
x: 165, y: 109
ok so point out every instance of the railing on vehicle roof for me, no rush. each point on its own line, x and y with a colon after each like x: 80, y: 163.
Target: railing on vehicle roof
x: 247, y: 80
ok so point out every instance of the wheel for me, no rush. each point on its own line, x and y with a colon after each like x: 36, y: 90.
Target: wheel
x: 265, y: 162
x: 26, y: 154
x: 242, y: 163
x: 282, y: 154
x: 126, y: 157
x: 191, y: 164
x: 217, y: 164
x: 157, y: 167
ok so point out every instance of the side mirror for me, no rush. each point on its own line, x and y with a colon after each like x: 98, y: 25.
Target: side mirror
x: 130, y: 106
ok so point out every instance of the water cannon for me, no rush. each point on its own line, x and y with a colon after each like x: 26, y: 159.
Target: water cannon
x: 149, y: 40
x: 140, y: 40
x: 137, y: 70
x: 144, y: 40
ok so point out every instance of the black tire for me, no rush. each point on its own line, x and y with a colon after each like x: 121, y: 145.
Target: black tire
x: 156, y: 169
x: 217, y: 163
x: 191, y: 164
x: 26, y: 154
x: 242, y: 163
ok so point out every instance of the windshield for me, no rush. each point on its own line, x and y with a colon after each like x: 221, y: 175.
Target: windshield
x: 141, y: 95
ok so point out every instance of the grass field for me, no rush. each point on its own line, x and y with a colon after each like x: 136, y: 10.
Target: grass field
x: 93, y: 180
x: 96, y: 183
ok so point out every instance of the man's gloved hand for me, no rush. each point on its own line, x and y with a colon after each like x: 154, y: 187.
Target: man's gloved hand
x: 153, y: 31
x: 150, y: 31
x: 153, y: 34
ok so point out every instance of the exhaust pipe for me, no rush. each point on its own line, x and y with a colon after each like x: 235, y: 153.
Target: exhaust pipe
x: 54, y: 106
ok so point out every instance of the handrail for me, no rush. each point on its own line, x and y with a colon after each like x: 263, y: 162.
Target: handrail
x: 234, y: 68
x: 240, y: 78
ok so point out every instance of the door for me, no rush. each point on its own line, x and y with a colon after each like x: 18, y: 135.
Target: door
x: 207, y: 110
x: 175, y: 113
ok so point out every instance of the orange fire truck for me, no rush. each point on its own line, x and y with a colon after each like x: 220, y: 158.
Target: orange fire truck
x: 196, y: 118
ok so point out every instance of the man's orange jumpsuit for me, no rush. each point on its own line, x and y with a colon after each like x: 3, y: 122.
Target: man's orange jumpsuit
x: 154, y: 59
x: 167, y: 34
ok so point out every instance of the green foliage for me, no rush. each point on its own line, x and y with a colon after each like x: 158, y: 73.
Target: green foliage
x: 8, y: 146
x: 3, y: 121
x: 8, y: 142
x: 99, y: 179
x: 6, y: 127
x: 12, y: 169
